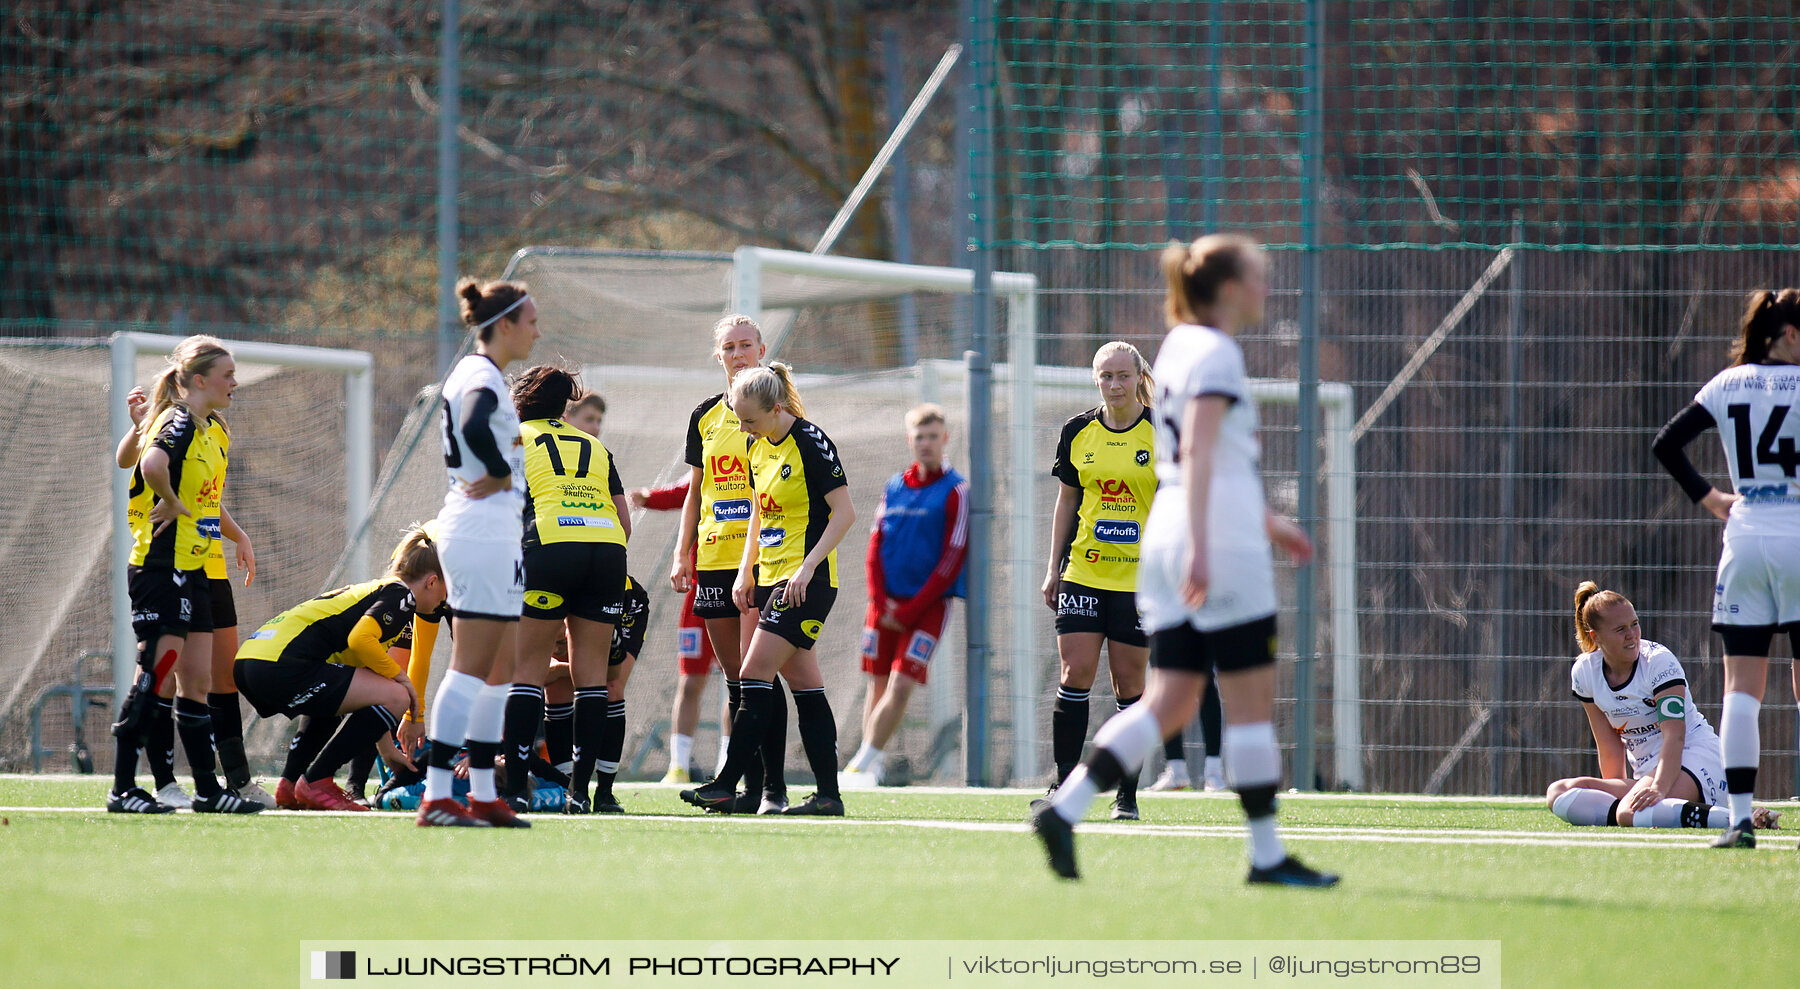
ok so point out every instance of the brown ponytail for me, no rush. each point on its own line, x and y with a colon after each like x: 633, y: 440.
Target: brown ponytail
x: 484, y: 302
x: 1765, y: 316
x: 1589, y: 600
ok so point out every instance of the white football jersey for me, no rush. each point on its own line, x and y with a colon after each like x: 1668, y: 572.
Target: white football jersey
x: 1197, y: 361
x: 1753, y: 405
x: 480, y: 518
x: 1631, y: 708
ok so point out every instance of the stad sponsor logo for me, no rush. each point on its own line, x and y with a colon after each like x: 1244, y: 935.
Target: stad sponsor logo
x: 584, y: 521
x: 771, y: 537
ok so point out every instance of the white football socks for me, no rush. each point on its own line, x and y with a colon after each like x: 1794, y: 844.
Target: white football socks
x: 681, y: 751
x: 1583, y: 807
x: 868, y: 759
x: 450, y: 710
x: 1130, y: 736
x: 1668, y: 814
x: 1741, y: 745
x: 1254, y: 760
x: 487, y: 723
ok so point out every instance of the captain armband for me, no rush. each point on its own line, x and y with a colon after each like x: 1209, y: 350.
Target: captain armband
x: 1671, y: 708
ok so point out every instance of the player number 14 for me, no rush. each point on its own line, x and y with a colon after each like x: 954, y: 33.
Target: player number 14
x: 1771, y: 447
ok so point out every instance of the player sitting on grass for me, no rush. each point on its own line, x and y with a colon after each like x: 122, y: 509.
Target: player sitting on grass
x: 1639, y: 709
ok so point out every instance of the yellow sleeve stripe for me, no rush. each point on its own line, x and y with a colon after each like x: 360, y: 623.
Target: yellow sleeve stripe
x: 418, y: 665
x: 365, y: 648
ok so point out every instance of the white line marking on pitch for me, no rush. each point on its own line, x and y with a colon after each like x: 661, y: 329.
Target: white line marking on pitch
x: 1601, y: 838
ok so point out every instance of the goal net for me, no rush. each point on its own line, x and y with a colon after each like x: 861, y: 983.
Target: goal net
x: 639, y: 327
x: 300, y: 453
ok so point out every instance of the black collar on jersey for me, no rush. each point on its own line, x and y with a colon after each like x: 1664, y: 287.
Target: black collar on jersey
x: 1639, y: 661
x: 1100, y: 417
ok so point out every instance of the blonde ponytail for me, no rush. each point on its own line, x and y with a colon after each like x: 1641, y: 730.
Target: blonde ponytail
x: 194, y: 355
x: 768, y: 386
x: 416, y: 556
x: 1192, y: 274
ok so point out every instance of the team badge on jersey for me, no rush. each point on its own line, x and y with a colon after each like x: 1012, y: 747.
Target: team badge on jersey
x: 1143, y: 457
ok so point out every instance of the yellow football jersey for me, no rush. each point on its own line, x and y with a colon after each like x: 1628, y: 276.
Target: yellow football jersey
x: 319, y: 630
x: 1116, y: 472
x: 791, y: 479
x: 215, y: 557
x: 719, y: 449
x: 570, y: 480
x: 196, y: 472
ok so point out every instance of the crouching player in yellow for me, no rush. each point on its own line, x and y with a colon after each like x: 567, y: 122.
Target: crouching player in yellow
x: 329, y: 656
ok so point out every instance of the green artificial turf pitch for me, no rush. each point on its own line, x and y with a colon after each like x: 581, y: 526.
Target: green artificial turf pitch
x: 185, y: 900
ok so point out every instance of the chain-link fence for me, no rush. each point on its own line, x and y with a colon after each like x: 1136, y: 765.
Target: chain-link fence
x: 1558, y: 207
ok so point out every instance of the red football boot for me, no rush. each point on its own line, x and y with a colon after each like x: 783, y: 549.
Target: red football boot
x: 284, y: 796
x: 496, y: 813
x: 324, y: 794
x: 447, y: 813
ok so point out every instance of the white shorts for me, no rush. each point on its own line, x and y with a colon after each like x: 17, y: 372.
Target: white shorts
x: 485, y: 579
x: 1759, y: 581
x: 1240, y: 579
x: 1707, y: 767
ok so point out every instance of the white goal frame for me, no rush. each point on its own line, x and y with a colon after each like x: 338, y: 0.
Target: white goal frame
x: 359, y: 405
x: 1020, y: 293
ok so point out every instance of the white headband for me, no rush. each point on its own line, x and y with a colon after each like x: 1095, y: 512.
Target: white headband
x: 497, y: 316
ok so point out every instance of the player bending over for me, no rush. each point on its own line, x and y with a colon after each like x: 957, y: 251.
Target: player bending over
x: 329, y: 657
